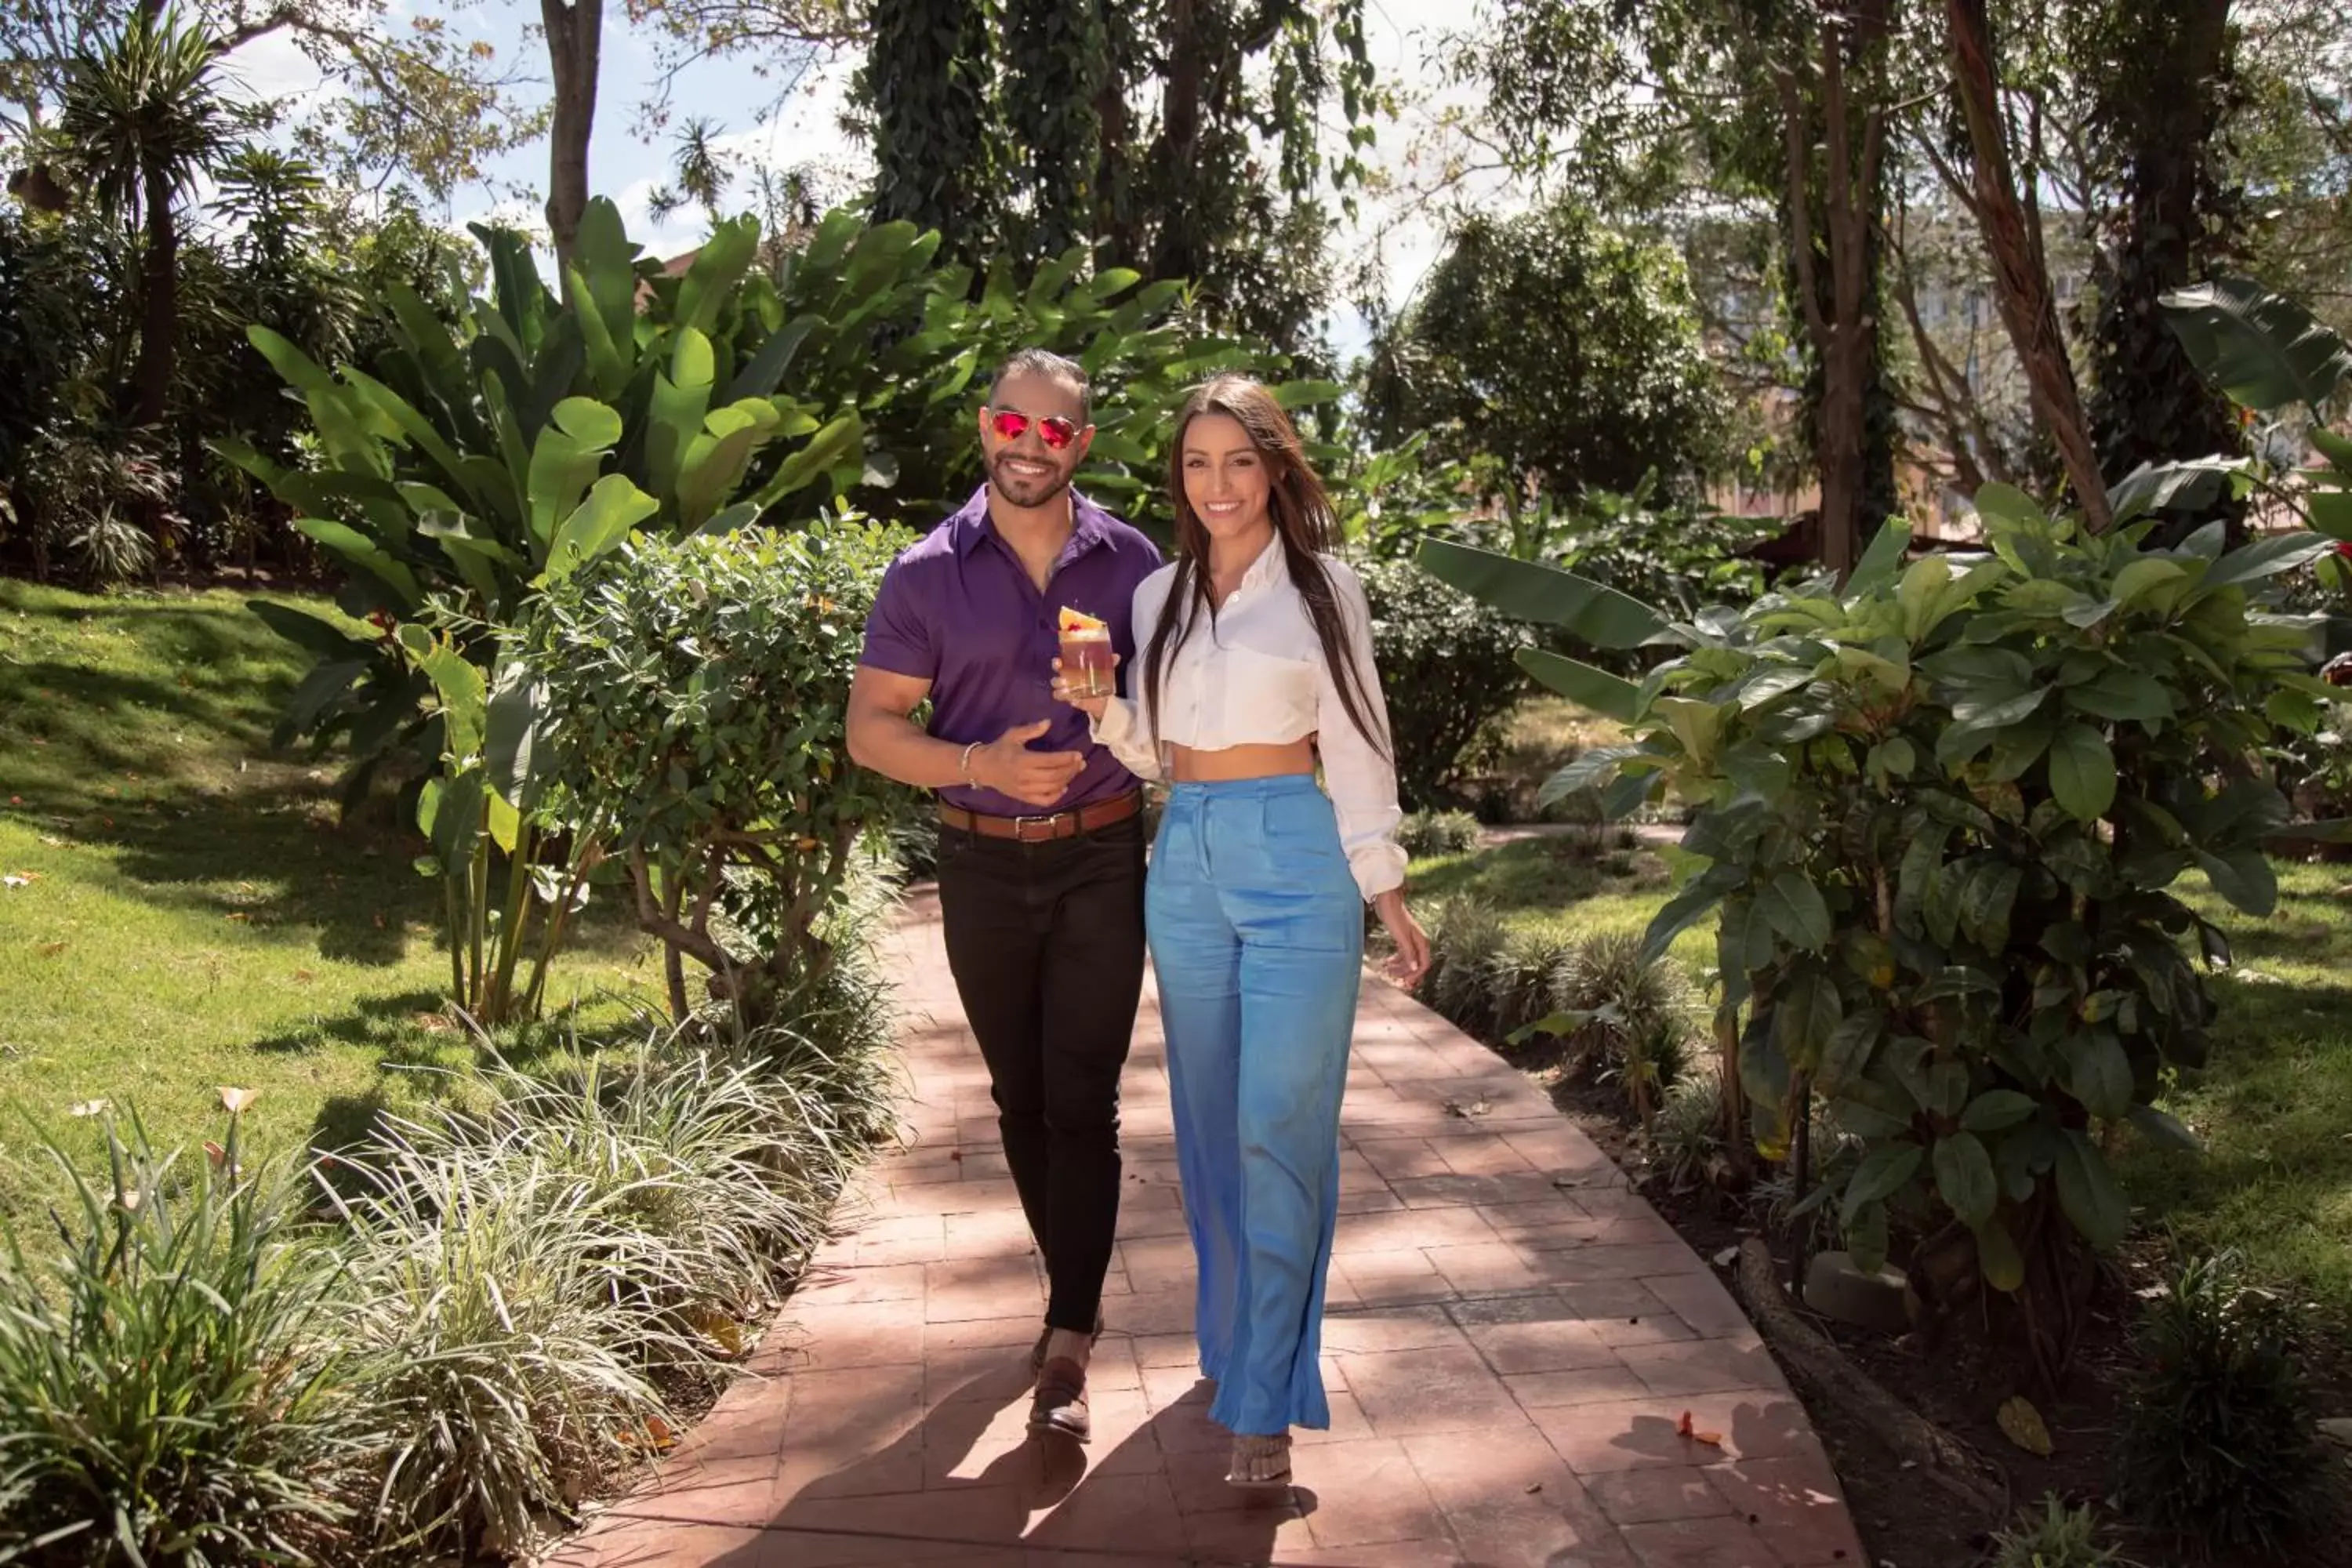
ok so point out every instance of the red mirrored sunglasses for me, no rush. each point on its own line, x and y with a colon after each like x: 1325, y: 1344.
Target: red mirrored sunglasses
x: 1053, y: 430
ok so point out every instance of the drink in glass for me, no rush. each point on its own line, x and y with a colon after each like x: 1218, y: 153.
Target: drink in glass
x: 1087, y: 661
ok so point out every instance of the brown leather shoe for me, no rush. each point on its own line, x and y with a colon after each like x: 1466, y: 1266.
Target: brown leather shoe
x: 1061, y: 1402
x: 1045, y: 1336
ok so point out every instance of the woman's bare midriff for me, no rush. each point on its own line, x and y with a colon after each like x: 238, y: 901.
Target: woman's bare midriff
x: 1227, y: 764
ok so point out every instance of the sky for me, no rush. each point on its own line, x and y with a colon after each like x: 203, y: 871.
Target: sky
x: 629, y: 164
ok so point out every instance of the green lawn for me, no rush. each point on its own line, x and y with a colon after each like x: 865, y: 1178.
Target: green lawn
x: 195, y: 916
x: 2273, y: 1106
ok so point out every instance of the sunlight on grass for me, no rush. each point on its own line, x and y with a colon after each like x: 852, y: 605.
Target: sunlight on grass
x: 192, y: 914
x: 2273, y: 1106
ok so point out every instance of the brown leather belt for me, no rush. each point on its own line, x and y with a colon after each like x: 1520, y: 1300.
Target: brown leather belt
x: 1043, y: 829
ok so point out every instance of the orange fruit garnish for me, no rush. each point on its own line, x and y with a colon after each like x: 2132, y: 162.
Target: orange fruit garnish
x: 1078, y: 621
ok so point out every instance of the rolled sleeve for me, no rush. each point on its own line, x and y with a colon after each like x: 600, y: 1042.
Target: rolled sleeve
x: 1358, y: 773
x: 899, y: 636
x: 1123, y: 729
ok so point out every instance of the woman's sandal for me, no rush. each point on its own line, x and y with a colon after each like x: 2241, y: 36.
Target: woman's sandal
x: 1252, y: 1455
x: 1046, y: 1336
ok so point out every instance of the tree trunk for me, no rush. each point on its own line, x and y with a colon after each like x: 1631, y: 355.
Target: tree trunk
x: 2150, y: 404
x: 2029, y: 306
x: 1837, y: 314
x: 575, y: 30
x: 159, y: 283
x: 1177, y: 250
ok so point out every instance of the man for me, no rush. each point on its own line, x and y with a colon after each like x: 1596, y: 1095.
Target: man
x: 1041, y: 833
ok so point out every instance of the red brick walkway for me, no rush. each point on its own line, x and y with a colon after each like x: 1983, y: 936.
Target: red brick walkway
x: 1512, y: 1340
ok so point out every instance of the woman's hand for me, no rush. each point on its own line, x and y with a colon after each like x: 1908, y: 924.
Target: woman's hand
x: 1411, y: 960
x: 1092, y: 707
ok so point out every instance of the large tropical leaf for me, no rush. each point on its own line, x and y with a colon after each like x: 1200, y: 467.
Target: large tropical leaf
x: 1529, y: 591
x: 1612, y: 696
x: 2262, y: 349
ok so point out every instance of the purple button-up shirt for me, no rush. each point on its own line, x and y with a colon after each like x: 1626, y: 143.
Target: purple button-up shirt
x: 958, y: 609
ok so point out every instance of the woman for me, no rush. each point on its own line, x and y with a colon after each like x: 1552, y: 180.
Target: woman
x: 1258, y: 659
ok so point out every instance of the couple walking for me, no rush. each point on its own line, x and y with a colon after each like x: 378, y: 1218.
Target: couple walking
x: 1244, y: 661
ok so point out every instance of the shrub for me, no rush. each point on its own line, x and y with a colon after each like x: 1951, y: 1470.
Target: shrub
x: 672, y: 399
x: 1687, y: 1135
x: 483, y: 1337
x: 1448, y: 667
x: 2216, y: 1440
x: 1941, y: 810
x: 111, y: 551
x: 174, y: 1387
x: 1426, y: 833
x: 1626, y: 1013
x: 1464, y: 936
x: 696, y: 694
x: 539, y: 1277
x: 2057, y: 1537
x: 1523, y: 976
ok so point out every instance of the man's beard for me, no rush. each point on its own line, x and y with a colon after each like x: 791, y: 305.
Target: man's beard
x: 1029, y: 492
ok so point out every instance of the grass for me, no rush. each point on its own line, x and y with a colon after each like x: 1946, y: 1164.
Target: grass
x: 197, y: 916
x: 2273, y: 1106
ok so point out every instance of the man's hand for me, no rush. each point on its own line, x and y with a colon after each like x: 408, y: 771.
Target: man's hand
x: 1008, y: 766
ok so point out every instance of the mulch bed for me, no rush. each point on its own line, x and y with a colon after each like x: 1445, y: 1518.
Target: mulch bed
x: 1959, y: 1385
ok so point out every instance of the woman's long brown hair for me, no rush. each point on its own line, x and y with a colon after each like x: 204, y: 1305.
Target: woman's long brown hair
x: 1304, y: 522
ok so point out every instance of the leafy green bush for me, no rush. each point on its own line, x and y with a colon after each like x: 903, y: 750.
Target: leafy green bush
x: 483, y: 1336
x: 1941, y: 811
x: 695, y: 693
x: 2057, y: 1537
x: 1523, y: 977
x: 1448, y: 670
x: 532, y: 437
x: 1464, y: 936
x: 1686, y: 1138
x: 1424, y: 834
x: 534, y: 1281
x: 1627, y: 1014
x: 172, y: 1383
x: 2218, y: 1440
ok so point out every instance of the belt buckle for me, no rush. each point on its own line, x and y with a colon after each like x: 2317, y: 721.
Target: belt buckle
x: 1020, y: 827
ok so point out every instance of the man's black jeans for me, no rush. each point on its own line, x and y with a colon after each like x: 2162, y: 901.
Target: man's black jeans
x: 1045, y: 940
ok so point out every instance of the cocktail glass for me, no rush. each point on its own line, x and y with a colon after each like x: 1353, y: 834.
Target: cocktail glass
x: 1087, y: 662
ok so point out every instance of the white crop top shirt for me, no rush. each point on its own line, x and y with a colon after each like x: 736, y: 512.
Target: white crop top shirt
x: 1255, y: 675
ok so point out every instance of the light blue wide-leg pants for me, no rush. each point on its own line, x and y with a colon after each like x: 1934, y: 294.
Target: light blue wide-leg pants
x: 1257, y: 936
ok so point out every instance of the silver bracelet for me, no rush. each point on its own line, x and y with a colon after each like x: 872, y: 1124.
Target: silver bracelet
x: 963, y: 763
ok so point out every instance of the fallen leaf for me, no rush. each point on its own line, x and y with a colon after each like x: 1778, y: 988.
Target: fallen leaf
x: 239, y: 915
x: 1682, y: 1428
x: 2021, y: 1425
x: 304, y: 976
x: 52, y: 843
x: 1726, y: 1258
x: 720, y: 1327
x: 432, y: 1023
x: 88, y: 1107
x: 379, y: 922
x: 50, y: 949
x: 657, y: 1435
x: 236, y: 1099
